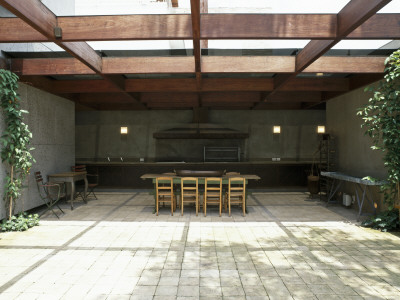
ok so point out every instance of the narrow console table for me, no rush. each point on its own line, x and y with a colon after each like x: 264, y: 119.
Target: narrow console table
x: 359, y: 183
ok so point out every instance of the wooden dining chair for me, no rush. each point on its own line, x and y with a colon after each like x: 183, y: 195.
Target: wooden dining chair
x: 212, y: 193
x: 236, y: 193
x: 190, y: 192
x: 93, y: 182
x: 165, y: 193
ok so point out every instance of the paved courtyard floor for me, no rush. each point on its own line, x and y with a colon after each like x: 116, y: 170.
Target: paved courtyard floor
x: 287, y: 247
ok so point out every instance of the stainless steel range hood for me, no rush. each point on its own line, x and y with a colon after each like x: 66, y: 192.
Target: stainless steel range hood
x: 200, y: 129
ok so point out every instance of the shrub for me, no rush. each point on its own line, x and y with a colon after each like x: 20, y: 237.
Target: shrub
x: 384, y: 221
x: 20, y: 223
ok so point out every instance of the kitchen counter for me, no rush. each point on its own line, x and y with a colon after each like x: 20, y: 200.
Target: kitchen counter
x: 179, y: 163
x: 284, y: 173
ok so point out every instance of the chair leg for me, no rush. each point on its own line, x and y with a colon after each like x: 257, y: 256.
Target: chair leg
x: 220, y: 206
x: 229, y: 205
x: 197, y: 206
x: 181, y: 205
x: 205, y: 206
x: 172, y: 206
x: 157, y: 201
x: 244, y: 207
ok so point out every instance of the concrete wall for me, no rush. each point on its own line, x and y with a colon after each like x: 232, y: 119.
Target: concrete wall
x: 97, y: 134
x: 51, y: 120
x: 354, y: 155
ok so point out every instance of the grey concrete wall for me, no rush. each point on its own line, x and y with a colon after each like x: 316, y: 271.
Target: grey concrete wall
x: 354, y: 155
x: 51, y: 120
x: 97, y: 134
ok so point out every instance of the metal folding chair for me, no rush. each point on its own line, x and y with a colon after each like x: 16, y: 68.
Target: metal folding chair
x: 50, y: 193
x: 93, y: 182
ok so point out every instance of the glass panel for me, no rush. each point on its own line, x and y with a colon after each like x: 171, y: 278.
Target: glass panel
x: 142, y: 45
x: 158, y: 76
x: 130, y: 7
x: 257, y: 44
x: 275, y: 6
x: 361, y: 44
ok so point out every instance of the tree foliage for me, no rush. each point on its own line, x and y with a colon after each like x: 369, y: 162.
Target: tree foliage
x: 381, y: 118
x: 15, y: 140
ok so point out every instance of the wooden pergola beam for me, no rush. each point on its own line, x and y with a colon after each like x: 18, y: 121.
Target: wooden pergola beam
x: 210, y: 64
x: 129, y: 27
x: 195, y: 15
x: 268, y: 26
x: 189, y: 85
x: 347, y: 64
x: 248, y: 64
x: 44, y: 21
x: 355, y: 13
x: 213, y: 26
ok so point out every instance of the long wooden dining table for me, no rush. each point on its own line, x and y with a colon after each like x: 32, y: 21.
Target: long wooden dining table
x: 177, y: 180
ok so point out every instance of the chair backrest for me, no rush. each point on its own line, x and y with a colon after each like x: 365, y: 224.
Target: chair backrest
x: 213, y: 184
x: 237, y: 186
x: 38, y: 177
x: 43, y: 191
x: 189, y: 186
x: 164, y: 185
x: 78, y: 168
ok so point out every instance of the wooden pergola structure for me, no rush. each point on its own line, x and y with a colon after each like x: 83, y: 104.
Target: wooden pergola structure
x: 290, y: 81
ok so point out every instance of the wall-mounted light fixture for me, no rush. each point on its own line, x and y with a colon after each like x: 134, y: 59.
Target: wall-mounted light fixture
x: 277, y: 129
x: 124, y: 130
x: 321, y: 129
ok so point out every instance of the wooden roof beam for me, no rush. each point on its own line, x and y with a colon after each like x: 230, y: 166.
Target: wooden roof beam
x: 213, y: 26
x: 355, y: 13
x: 189, y: 85
x: 195, y: 14
x: 38, y: 16
x: 43, y: 20
x: 210, y: 64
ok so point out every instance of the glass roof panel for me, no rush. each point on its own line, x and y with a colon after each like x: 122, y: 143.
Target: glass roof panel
x: 361, y: 44
x: 257, y: 44
x: 131, y: 7
x: 391, y: 7
x: 159, y: 76
x: 276, y: 6
x: 142, y: 45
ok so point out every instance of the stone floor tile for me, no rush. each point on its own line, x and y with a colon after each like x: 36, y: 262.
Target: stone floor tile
x: 169, y: 281
x: 188, y: 291
x: 230, y: 281
x: 210, y: 291
x: 189, y: 281
x: 251, y: 290
x: 299, y: 249
x: 144, y: 290
x: 145, y: 280
x: 166, y: 291
x: 232, y: 291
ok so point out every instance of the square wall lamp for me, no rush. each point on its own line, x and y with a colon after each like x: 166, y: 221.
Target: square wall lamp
x: 124, y: 130
x: 321, y: 129
x: 277, y: 129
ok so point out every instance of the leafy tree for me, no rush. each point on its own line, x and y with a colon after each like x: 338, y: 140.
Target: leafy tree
x: 381, y: 118
x: 15, y: 140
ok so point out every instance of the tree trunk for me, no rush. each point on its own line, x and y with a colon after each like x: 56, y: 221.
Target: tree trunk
x: 10, y: 209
